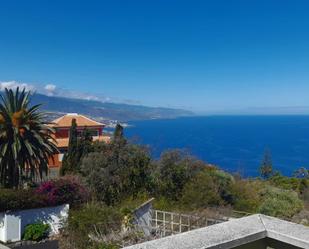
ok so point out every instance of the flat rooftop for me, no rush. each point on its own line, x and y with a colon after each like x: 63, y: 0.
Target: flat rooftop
x: 255, y: 231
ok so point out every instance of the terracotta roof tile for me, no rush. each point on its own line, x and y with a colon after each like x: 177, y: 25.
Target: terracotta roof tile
x: 81, y: 120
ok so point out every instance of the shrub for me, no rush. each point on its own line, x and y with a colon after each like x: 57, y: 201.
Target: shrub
x: 89, y: 223
x: 174, y: 169
x: 117, y: 170
x: 56, y: 192
x: 67, y: 189
x: 132, y: 202
x: 163, y: 203
x: 36, y: 231
x: 11, y: 199
x: 284, y: 182
x: 91, y: 214
x: 280, y: 203
x: 224, y: 181
x: 209, y: 188
x: 246, y: 195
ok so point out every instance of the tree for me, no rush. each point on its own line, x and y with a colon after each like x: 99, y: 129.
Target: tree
x: 69, y: 160
x: 174, y: 169
x: 301, y: 173
x: 84, y: 145
x: 73, y: 137
x: 209, y: 187
x: 77, y: 149
x: 115, y: 171
x: 119, y: 139
x: 26, y: 142
x: 266, y: 168
x: 118, y: 133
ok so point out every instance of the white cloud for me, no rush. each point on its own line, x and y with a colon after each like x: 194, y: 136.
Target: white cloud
x: 53, y: 90
x: 60, y: 92
x: 50, y: 89
x: 14, y: 84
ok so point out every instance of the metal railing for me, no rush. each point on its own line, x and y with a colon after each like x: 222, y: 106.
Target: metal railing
x: 167, y: 223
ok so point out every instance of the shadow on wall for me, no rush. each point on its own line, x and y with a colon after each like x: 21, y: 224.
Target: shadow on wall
x: 12, y: 224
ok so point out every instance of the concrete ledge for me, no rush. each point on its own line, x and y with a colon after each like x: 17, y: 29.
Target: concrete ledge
x: 234, y: 233
x: 287, y: 232
x: 3, y: 247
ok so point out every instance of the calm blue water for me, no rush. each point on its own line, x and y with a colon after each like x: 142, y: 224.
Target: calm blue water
x: 235, y: 143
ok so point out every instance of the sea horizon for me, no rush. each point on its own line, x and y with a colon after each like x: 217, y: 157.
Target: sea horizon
x: 235, y: 143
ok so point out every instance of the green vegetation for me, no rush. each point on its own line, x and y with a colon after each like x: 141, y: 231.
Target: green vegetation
x: 120, y: 175
x: 117, y: 170
x: 65, y: 190
x: 210, y: 187
x: 266, y: 169
x: 172, y: 171
x: 78, y: 148
x: 246, y: 195
x: 90, y: 221
x: 280, y: 203
x: 36, y: 231
x: 25, y: 141
x: 11, y: 199
x: 104, y: 183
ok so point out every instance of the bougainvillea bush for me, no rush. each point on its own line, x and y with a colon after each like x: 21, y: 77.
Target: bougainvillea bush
x: 66, y: 190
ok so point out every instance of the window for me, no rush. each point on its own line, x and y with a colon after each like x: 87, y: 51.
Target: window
x: 92, y: 132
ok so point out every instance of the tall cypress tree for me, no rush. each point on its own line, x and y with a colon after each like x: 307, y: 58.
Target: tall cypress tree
x: 266, y: 168
x: 69, y: 162
x: 73, y: 137
x: 119, y: 139
x: 118, y: 133
x: 84, y: 146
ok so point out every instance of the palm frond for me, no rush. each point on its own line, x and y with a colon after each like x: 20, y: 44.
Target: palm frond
x: 26, y: 142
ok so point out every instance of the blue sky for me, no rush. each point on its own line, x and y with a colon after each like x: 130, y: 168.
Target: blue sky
x: 207, y: 56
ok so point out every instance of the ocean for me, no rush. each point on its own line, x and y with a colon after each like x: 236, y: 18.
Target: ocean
x: 234, y: 143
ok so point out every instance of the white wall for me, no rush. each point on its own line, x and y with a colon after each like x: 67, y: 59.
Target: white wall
x: 12, y: 226
x: 15, y: 222
x: 143, y: 216
x: 2, y: 228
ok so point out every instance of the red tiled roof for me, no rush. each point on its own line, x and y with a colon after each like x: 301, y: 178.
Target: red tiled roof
x: 81, y: 120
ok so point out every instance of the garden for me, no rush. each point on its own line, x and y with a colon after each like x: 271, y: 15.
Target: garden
x: 104, y: 182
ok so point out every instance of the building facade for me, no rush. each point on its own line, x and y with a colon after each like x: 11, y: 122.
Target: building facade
x: 62, y: 127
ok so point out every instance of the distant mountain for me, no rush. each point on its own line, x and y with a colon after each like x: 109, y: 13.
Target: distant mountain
x: 104, y: 110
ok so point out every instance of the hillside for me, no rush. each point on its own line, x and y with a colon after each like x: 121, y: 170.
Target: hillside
x: 104, y: 110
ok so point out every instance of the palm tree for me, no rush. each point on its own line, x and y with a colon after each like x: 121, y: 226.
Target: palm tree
x: 26, y: 142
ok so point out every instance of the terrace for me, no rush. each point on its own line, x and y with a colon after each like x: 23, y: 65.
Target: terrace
x: 255, y: 232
